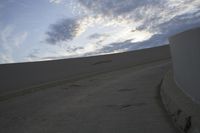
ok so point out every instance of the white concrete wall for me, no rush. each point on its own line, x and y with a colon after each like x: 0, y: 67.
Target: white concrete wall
x: 22, y: 75
x: 185, y: 50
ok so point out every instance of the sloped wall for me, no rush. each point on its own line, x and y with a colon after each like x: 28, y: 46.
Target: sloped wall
x: 14, y: 77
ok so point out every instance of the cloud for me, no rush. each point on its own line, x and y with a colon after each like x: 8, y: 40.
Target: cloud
x: 55, y: 1
x: 129, y: 45
x: 5, y: 58
x: 34, y: 55
x: 148, y: 15
x: 123, y: 25
x: 97, y: 36
x: 10, y: 41
x: 161, y: 18
x: 9, y: 38
x: 116, y: 7
x: 63, y: 30
x: 20, y: 39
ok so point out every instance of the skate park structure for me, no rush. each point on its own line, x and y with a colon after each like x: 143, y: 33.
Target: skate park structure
x: 153, y: 89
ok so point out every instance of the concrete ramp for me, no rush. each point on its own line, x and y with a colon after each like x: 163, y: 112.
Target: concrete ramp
x: 116, y: 93
x: 122, y: 101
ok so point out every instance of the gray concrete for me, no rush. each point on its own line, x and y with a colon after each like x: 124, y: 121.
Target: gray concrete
x: 123, y: 101
x: 185, y: 49
x: 20, y: 76
x: 180, y: 89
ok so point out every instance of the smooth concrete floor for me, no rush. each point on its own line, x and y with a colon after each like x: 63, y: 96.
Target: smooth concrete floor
x: 124, y: 101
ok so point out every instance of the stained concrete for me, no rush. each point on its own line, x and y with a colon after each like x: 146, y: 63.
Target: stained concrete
x: 123, y: 101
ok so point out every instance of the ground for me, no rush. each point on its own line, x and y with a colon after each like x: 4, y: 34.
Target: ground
x: 123, y: 101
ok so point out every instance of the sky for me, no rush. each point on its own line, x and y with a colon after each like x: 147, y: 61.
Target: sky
x: 38, y: 30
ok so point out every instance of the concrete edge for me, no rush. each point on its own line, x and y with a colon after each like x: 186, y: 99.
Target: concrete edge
x: 184, y: 113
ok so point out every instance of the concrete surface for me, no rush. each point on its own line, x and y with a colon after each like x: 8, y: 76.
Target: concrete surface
x: 21, y: 76
x: 185, y: 50
x: 123, y: 101
x: 184, y: 112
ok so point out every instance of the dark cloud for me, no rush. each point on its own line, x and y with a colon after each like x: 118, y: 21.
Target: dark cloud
x: 63, y: 30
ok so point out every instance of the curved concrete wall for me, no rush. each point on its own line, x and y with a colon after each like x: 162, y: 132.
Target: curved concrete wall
x: 185, y: 50
x: 14, y: 77
x: 183, y: 111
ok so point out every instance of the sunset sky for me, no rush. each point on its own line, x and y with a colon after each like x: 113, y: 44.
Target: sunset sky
x: 35, y: 30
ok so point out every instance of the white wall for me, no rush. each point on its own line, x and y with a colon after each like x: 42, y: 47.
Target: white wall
x: 185, y: 50
x: 22, y: 75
